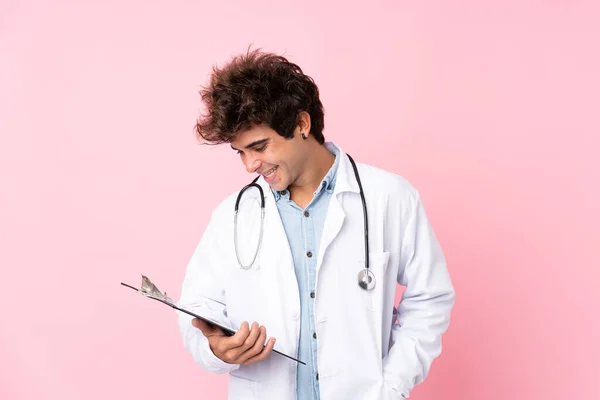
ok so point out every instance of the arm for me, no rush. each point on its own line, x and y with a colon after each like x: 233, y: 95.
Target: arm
x: 203, y: 293
x: 424, y: 312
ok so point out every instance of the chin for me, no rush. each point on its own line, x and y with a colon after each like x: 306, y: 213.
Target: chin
x: 277, y: 187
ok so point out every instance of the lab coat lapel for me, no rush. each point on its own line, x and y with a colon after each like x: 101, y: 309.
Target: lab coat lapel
x: 275, y: 247
x: 345, y: 182
x: 331, y: 228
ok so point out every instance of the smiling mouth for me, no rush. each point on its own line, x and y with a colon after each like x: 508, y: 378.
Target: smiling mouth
x: 270, y: 172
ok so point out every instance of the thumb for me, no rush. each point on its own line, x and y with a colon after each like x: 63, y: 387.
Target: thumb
x: 206, y: 328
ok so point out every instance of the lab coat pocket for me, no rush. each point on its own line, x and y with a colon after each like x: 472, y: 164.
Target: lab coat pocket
x: 241, y: 388
x: 378, y: 262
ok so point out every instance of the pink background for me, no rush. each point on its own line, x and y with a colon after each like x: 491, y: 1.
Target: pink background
x: 489, y: 108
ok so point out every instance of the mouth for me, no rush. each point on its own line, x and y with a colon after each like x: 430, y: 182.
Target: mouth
x: 269, y: 174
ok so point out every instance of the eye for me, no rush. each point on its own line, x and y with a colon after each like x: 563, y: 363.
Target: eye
x: 261, y: 148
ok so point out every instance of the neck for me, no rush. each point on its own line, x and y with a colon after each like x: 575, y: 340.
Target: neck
x: 317, y: 165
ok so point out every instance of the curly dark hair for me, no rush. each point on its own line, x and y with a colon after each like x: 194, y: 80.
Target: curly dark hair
x: 254, y: 89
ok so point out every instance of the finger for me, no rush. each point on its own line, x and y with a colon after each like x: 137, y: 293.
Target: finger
x: 251, y: 339
x: 256, y: 348
x: 237, y: 352
x: 206, y: 328
x: 226, y: 345
x: 263, y: 354
x: 241, y: 335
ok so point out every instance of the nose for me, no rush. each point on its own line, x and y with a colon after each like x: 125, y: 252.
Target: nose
x: 252, y: 164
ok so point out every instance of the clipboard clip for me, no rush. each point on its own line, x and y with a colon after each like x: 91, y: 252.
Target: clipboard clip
x: 149, y: 289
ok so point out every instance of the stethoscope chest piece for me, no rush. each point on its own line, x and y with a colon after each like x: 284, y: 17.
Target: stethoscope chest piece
x: 366, y: 279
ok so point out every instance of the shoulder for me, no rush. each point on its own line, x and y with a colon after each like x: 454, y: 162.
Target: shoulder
x: 383, y: 182
x: 225, y: 209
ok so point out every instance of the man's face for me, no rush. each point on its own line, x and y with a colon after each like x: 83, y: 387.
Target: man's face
x: 265, y: 152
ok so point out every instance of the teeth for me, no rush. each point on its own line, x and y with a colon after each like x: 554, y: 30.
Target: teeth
x: 271, y: 172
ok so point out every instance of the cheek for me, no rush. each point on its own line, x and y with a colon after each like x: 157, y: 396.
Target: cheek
x: 284, y: 169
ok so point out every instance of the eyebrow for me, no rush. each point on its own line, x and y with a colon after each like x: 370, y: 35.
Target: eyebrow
x: 253, y: 144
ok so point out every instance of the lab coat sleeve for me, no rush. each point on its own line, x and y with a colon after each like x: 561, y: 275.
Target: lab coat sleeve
x: 424, y: 312
x: 203, y: 293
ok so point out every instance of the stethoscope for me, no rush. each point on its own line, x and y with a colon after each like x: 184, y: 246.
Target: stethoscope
x: 366, y: 278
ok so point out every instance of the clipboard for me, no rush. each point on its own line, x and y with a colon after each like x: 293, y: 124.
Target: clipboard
x: 149, y: 289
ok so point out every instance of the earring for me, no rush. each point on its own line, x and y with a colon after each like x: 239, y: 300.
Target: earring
x: 304, y: 136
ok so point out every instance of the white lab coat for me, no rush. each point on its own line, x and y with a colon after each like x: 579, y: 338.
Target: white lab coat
x: 367, y: 349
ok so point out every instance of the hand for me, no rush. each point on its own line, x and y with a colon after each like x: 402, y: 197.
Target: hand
x: 247, y: 346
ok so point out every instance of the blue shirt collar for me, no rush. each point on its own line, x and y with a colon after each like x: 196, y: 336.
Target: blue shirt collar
x: 328, y: 182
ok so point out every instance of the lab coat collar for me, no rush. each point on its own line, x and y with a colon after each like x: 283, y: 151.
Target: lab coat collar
x: 345, y: 180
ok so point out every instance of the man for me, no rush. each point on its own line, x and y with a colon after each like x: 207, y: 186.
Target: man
x: 304, y: 292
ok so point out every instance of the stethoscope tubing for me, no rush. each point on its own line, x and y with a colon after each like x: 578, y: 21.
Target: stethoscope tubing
x: 366, y: 272
x: 364, y: 205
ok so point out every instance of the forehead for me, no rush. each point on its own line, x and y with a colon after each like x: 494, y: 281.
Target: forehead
x: 251, y: 135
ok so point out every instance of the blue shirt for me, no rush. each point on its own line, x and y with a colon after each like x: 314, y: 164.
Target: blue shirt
x: 304, y: 229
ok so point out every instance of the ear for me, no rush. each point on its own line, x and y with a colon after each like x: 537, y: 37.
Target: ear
x: 303, y: 125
